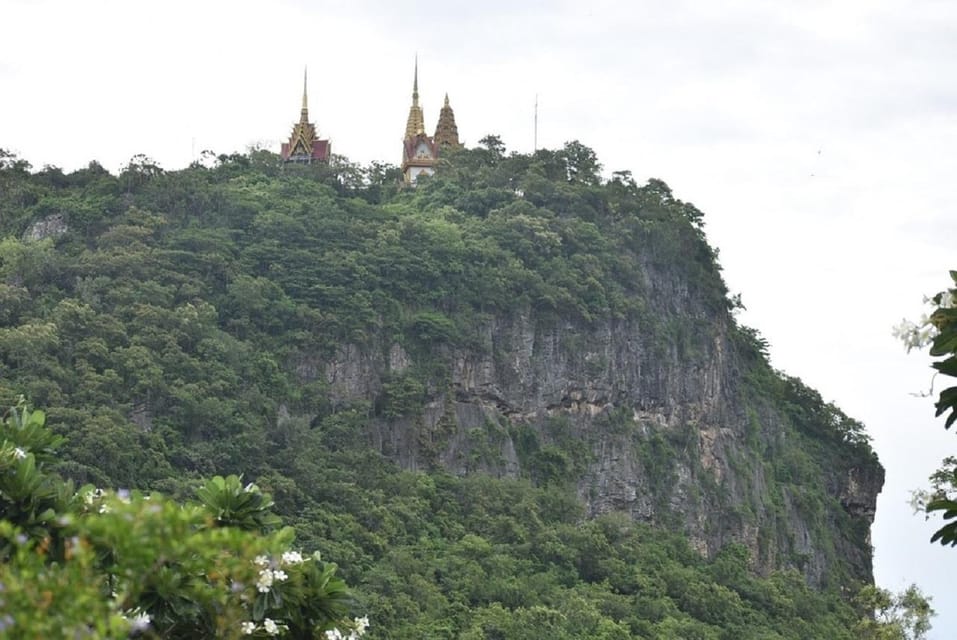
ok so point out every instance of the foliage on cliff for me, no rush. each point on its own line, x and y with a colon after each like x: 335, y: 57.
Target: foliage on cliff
x: 158, y: 316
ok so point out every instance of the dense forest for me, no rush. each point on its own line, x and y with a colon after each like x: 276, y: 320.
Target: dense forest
x: 169, y: 324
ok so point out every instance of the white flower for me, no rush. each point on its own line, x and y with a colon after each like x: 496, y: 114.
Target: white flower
x: 291, y: 557
x: 248, y: 628
x: 915, y: 335
x: 926, y: 335
x: 137, y: 619
x: 265, y: 580
x: 105, y: 508
x: 19, y: 453
x: 270, y: 627
x: 361, y: 625
x: 140, y: 622
x: 946, y: 300
x: 261, y: 561
x: 904, y: 329
x: 279, y: 575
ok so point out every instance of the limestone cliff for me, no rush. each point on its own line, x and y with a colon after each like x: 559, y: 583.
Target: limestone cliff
x: 665, y: 418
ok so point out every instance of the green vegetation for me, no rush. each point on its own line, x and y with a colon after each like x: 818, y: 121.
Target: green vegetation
x: 903, y: 616
x: 939, y: 331
x: 189, y: 303
x: 174, y: 326
x: 944, y: 346
x: 84, y: 563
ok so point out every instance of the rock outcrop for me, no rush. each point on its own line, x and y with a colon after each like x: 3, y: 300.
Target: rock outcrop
x: 51, y: 226
x: 655, y: 418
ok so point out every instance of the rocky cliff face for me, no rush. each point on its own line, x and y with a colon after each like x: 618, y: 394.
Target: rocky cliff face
x: 654, y: 418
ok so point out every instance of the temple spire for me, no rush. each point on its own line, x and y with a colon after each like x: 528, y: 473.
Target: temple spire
x: 446, y: 132
x: 415, y: 83
x: 305, y: 98
x: 304, y: 145
x: 415, y: 125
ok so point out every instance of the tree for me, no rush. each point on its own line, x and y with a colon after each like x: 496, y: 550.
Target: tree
x: 581, y: 163
x: 939, y: 331
x: 10, y: 162
x: 903, y: 616
x: 138, y: 171
x: 494, y: 145
x: 109, y: 564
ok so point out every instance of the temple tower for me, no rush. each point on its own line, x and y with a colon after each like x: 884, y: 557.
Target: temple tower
x: 419, y: 152
x: 446, y: 133
x: 304, y: 145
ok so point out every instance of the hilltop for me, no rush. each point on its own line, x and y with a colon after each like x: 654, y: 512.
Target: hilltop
x: 513, y: 397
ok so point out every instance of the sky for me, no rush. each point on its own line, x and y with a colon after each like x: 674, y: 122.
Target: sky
x: 819, y: 139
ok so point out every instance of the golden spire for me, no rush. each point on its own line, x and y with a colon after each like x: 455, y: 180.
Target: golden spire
x: 415, y: 125
x: 415, y: 83
x: 446, y: 133
x: 305, y: 99
x: 304, y: 132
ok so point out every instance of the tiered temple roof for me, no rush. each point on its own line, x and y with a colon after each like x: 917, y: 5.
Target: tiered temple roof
x: 304, y: 144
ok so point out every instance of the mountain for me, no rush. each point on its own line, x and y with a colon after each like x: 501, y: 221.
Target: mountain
x: 512, y: 397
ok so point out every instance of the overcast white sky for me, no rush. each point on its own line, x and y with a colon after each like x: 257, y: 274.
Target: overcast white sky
x: 819, y: 138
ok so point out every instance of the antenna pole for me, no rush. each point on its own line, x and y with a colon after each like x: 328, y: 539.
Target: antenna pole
x: 535, y: 143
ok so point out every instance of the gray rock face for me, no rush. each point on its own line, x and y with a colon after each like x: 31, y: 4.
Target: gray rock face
x: 49, y: 227
x: 663, y: 428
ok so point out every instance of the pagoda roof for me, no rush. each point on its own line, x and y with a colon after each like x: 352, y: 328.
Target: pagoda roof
x: 321, y: 150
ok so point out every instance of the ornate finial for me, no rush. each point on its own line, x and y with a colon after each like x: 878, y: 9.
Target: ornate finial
x: 305, y: 100
x: 415, y: 83
x: 446, y: 99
